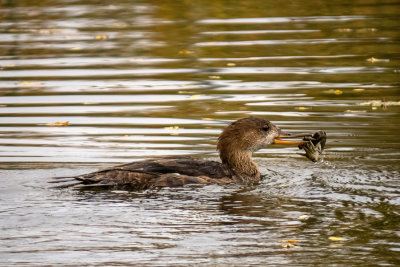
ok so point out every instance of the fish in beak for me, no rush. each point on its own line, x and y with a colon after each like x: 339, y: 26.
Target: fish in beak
x: 312, y: 144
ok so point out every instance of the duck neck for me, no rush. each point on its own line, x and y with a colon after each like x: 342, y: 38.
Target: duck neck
x: 243, y: 166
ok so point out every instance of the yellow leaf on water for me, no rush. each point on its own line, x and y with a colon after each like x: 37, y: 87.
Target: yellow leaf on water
x: 373, y: 60
x: 338, y: 92
x: 75, y: 48
x: 101, y: 36
x: 231, y: 64
x: 173, y: 130
x: 185, y: 52
x: 358, y: 90
x: 334, y: 238
x: 66, y: 123
x: 194, y: 96
x: 355, y: 111
x: 302, y: 108
x: 214, y: 77
x: 186, y: 92
x: 287, y: 245
x: 363, y: 30
x: 171, y: 127
x: 304, y: 217
x: 344, y: 30
x: 208, y: 119
x: 28, y: 83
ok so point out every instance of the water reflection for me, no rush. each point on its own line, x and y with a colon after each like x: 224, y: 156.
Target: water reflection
x: 142, y: 79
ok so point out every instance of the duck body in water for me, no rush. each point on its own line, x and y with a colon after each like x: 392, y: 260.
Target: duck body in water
x: 236, y: 144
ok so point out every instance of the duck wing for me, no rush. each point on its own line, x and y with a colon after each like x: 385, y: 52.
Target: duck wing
x: 160, y: 172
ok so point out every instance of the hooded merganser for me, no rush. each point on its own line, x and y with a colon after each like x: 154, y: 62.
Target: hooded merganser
x: 236, y: 145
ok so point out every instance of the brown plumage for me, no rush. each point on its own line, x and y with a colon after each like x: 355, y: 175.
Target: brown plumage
x: 236, y: 144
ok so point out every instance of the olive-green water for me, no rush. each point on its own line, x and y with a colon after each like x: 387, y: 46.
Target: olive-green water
x: 88, y: 84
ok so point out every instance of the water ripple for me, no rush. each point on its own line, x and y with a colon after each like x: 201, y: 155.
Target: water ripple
x: 60, y: 73
x: 264, y: 20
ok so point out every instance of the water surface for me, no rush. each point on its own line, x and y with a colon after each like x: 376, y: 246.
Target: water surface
x: 86, y: 85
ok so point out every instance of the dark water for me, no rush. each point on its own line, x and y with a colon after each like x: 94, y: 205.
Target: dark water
x: 137, y: 79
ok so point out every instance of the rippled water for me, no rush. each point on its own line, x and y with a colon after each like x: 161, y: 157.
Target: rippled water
x: 85, y: 85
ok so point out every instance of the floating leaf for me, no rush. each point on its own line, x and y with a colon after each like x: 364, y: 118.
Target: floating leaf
x: 185, y: 52
x: 367, y: 30
x: 304, y: 217
x: 58, y: 123
x: 171, y: 127
x: 214, y: 77
x: 289, y: 243
x: 194, y: 96
x: 344, y: 30
x: 336, y: 92
x: 334, y: 238
x: 358, y: 90
x: 355, y: 111
x: 75, y: 48
x: 28, y: 83
x: 186, y: 92
x: 231, y: 64
x: 373, y: 60
x: 101, y: 36
x: 302, y: 108
x: 208, y: 119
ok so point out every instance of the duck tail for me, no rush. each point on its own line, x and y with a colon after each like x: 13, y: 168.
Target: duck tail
x: 64, y: 182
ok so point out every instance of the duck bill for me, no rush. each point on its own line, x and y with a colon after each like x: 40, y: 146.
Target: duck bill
x: 279, y: 140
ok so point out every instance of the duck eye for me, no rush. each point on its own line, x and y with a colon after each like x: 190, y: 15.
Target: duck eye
x: 265, y: 127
